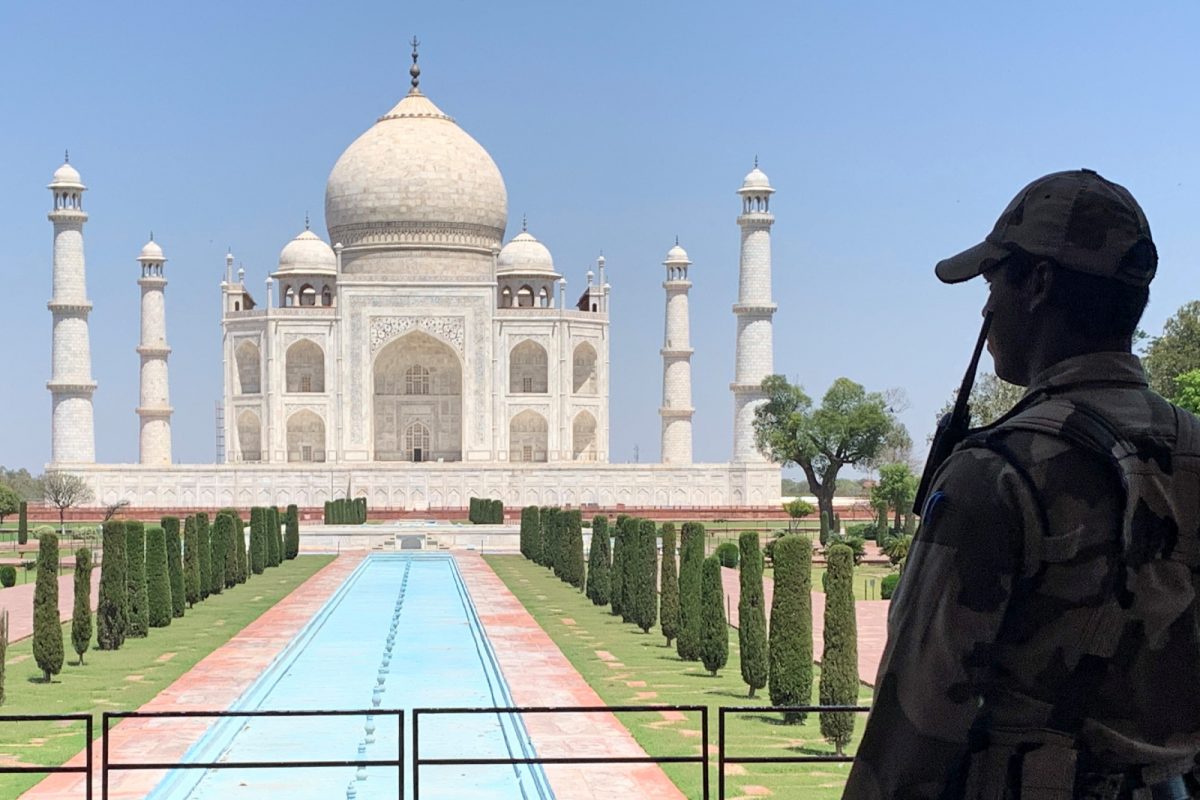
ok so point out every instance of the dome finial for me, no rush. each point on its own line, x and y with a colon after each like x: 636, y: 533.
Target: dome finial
x: 415, y: 70
x: 152, y: 236
x: 66, y: 156
x: 756, y: 160
x: 524, y: 223
x: 677, y: 240
x: 305, y: 220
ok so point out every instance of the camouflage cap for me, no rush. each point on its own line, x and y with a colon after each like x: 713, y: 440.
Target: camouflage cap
x: 1076, y: 219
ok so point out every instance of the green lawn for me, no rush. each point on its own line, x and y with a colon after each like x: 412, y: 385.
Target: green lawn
x: 863, y: 575
x: 127, y: 678
x: 646, y: 660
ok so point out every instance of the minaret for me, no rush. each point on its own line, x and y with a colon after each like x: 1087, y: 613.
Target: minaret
x: 72, y: 431
x: 676, y: 410
x: 754, y: 310
x: 154, y: 407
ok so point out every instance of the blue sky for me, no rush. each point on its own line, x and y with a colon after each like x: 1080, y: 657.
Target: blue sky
x: 893, y: 133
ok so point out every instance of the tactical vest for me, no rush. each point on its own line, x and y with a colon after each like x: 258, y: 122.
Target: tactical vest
x: 1161, y: 480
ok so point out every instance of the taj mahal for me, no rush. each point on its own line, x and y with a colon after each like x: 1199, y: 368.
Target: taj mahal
x: 414, y: 357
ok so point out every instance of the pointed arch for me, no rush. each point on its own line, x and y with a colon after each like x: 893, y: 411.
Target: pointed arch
x: 304, y: 367
x: 417, y: 379
x: 528, y: 367
x: 528, y: 434
x: 305, y: 437
x: 249, y: 430
x: 248, y: 363
x: 583, y: 437
x: 583, y: 369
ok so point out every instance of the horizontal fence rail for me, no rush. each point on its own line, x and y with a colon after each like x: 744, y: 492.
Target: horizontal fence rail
x: 107, y: 765
x: 723, y: 758
x: 86, y: 770
x: 418, y: 761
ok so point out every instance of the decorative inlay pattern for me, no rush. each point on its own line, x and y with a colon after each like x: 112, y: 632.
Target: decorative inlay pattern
x: 448, y: 329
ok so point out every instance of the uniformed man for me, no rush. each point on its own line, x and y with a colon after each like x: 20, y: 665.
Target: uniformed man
x: 1044, y: 641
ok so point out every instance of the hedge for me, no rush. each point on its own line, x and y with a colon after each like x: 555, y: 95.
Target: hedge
x: 727, y: 554
x: 752, y: 615
x: 158, y: 580
x: 691, y: 559
x: 81, y: 616
x: 258, y: 540
x: 204, y: 545
x: 291, y: 544
x: 839, y: 665
x: 218, y: 541
x: 170, y: 526
x: 47, y: 629
x: 191, y: 562
x: 888, y: 587
x: 23, y: 523
x: 714, y: 630
x: 8, y: 575
x: 112, y: 611
x: 135, y: 579
x: 599, y: 570
x: 790, y: 640
x: 528, y: 522
x: 231, y: 525
x: 550, y: 538
x: 272, y: 536
x: 482, y: 511
x: 645, y: 573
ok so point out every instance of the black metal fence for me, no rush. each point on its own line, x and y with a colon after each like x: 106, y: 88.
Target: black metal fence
x: 418, y: 761
x: 107, y: 765
x: 36, y: 769
x: 723, y: 758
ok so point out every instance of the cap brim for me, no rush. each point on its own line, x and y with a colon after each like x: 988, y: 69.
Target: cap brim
x: 969, y: 263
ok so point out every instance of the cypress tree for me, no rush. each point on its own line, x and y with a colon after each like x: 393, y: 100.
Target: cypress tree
x: 258, y: 540
x: 112, y: 611
x: 219, y: 539
x: 158, y: 582
x: 714, y: 630
x: 791, y: 644
x: 47, y: 630
x: 631, y: 570
x: 524, y: 540
x: 324, y: 518
x: 3, y: 649
x: 599, y: 568
x: 573, y: 548
x: 281, y: 519
x: 204, y: 545
x: 535, y: 534
x: 617, y: 572
x: 135, y: 579
x: 292, y: 545
x: 752, y: 615
x: 668, y: 582
x: 232, y: 523
x: 691, y: 559
x: 238, y: 544
x: 81, y: 617
x: 646, y: 574
x: 23, y: 523
x: 272, y: 536
x: 838, y: 685
x: 550, y: 533
x: 170, y: 527
x: 191, y: 561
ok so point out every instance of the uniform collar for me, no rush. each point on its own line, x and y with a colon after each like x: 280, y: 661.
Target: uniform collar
x: 1107, y: 368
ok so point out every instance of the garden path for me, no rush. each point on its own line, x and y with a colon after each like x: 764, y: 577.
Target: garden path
x: 19, y: 602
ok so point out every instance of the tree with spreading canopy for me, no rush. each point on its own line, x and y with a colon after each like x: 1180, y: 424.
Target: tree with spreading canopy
x: 895, y: 491
x: 10, y: 502
x: 1175, y: 352
x: 1187, y: 391
x: 849, y: 428
x: 991, y: 398
x: 64, y: 490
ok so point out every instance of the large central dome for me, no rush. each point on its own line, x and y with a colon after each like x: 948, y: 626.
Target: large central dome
x: 415, y: 180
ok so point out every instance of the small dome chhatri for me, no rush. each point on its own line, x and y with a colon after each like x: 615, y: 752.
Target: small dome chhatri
x: 66, y: 176
x: 309, y: 254
x: 677, y: 255
x: 525, y: 255
x: 756, y: 181
x: 151, y: 252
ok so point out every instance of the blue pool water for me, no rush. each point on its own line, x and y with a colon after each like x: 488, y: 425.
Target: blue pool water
x: 440, y: 657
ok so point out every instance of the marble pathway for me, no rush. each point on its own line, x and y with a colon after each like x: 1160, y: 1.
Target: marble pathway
x: 18, y: 600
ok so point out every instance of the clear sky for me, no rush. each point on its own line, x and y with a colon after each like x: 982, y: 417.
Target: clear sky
x: 894, y: 134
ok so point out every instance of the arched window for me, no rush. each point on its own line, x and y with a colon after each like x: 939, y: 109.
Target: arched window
x: 246, y: 361
x: 527, y: 369
x: 304, y: 367
x: 583, y: 370
x: 326, y: 296
x: 416, y: 380
x: 416, y: 441
x: 506, y: 297
x: 527, y: 437
x: 289, y: 297
x: 524, y: 297
x: 308, y: 295
x: 544, y: 298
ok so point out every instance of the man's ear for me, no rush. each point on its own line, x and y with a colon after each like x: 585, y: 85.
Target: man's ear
x: 1040, y: 285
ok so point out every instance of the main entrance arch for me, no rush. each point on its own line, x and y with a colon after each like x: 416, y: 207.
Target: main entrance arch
x: 417, y: 393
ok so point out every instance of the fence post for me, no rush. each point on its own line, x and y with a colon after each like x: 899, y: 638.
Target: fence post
x: 704, y: 738
x: 720, y: 754
x: 416, y: 753
x: 104, y: 756
x: 88, y: 756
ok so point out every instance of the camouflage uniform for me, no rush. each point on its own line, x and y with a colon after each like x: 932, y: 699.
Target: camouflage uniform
x: 1019, y: 583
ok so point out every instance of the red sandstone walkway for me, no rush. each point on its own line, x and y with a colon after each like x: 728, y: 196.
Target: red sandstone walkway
x: 213, y: 684
x: 19, y: 602
x: 538, y: 674
x: 870, y: 615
